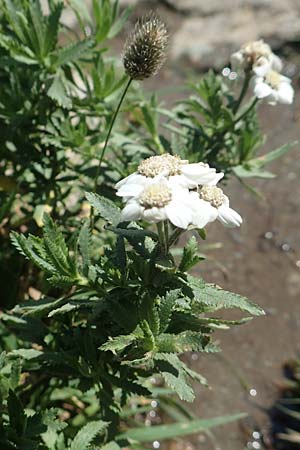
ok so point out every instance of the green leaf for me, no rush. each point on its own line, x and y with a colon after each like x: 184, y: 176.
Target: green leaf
x: 25, y: 247
x: 185, y: 341
x: 73, y: 52
x: 166, y: 306
x: 190, y: 255
x: 252, y: 167
x: 16, y: 413
x: 214, y: 298
x: 87, y: 434
x: 111, y: 446
x: 56, y: 248
x: 162, y: 432
x: 26, y: 353
x: 52, y: 26
x: 104, y: 207
x: 174, y: 373
x: 274, y: 154
x: 58, y: 91
x: 118, y: 343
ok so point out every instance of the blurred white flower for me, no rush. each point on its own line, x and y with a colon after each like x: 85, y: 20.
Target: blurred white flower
x: 159, y: 200
x: 273, y: 87
x: 179, y: 172
x: 209, y: 204
x: 256, y: 56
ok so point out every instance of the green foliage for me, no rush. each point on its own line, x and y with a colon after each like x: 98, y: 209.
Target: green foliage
x: 95, y: 308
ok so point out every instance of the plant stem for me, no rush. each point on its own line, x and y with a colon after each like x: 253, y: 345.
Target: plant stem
x: 166, y: 236
x: 161, y: 237
x: 107, y: 139
x: 242, y: 93
x: 247, y: 111
x: 175, y: 236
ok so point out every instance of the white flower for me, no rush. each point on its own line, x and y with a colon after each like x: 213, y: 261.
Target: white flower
x: 179, y: 172
x: 157, y: 201
x: 256, y: 56
x: 273, y: 87
x: 211, y: 204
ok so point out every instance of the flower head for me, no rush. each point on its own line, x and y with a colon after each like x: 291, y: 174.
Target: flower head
x: 209, y: 204
x: 257, y: 57
x: 157, y: 201
x: 144, y: 51
x: 177, y: 171
x: 273, y: 87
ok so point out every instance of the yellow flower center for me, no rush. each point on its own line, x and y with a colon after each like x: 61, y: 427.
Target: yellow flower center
x: 213, y: 195
x: 155, y: 165
x: 156, y: 195
x: 273, y: 78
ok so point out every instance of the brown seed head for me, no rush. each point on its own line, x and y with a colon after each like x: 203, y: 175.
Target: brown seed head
x: 144, y: 51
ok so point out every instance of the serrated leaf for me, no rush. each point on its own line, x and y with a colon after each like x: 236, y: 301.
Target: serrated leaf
x: 172, y: 370
x: 58, y: 91
x: 104, y: 207
x: 162, y: 432
x: 87, y: 434
x: 73, y: 52
x: 118, y: 343
x: 214, y: 298
x: 190, y: 255
x: 25, y: 247
x: 166, y: 306
x: 185, y: 341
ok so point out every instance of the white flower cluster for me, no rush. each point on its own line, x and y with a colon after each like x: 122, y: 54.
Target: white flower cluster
x: 267, y: 82
x: 168, y: 188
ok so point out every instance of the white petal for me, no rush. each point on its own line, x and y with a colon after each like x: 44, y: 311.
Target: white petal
x: 228, y: 217
x: 180, y: 180
x: 218, y: 177
x: 132, y: 211
x: 262, y: 90
x: 154, y: 215
x: 128, y: 179
x: 203, y: 213
x: 262, y: 66
x: 130, y: 190
x: 179, y: 214
x: 276, y: 63
x: 285, y: 93
x: 197, y: 173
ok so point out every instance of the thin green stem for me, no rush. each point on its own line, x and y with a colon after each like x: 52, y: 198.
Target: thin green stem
x: 245, y: 113
x: 161, y: 237
x: 242, y: 93
x: 166, y: 235
x: 107, y: 139
x: 176, y: 234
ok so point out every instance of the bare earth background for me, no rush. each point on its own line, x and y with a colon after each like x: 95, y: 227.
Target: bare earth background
x: 262, y: 259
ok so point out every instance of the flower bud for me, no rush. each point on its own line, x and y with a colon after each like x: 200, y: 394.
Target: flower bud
x: 144, y: 51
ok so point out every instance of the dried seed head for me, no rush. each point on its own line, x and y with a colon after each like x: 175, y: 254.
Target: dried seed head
x: 144, y: 51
